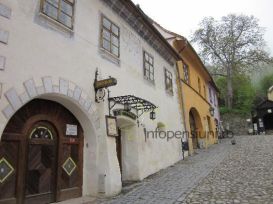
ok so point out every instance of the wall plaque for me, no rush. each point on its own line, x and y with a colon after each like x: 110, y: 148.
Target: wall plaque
x: 111, y: 126
x: 71, y: 130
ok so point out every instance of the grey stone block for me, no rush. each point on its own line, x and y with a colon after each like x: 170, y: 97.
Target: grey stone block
x: 77, y: 93
x: 8, y: 112
x: 2, y: 62
x: 87, y: 104
x: 31, y: 88
x: 47, y: 81
x: 24, y: 97
x: 13, y: 99
x: 64, y: 86
x: 41, y: 90
x: 4, y: 36
x: 5, y: 11
x: 56, y: 89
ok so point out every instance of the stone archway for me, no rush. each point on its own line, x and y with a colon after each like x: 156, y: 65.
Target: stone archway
x: 127, y: 149
x: 72, y: 97
x: 195, y: 127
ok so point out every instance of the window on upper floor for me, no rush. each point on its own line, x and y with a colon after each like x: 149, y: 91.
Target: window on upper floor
x: 110, y: 36
x: 205, y: 93
x: 186, y: 73
x: 168, y: 81
x: 61, y: 11
x: 148, y: 65
x: 210, y: 96
x: 199, y: 86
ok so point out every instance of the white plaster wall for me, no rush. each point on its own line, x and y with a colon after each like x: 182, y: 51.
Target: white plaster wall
x: 37, y: 48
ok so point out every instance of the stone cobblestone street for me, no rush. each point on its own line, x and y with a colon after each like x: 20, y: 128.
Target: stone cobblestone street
x: 223, y: 174
x: 174, y: 183
x: 245, y: 176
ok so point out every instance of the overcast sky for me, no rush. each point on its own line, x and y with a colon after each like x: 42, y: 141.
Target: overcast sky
x: 183, y: 17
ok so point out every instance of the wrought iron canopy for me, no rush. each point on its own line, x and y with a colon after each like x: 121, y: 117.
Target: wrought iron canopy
x: 136, y: 103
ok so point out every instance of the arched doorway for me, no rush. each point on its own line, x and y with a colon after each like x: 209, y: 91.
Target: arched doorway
x: 41, y: 155
x: 195, y: 127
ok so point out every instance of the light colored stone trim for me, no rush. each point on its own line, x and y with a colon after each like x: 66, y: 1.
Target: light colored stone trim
x: 64, y: 87
x: 13, y: 99
x: 4, y: 36
x: 31, y: 88
x: 47, y: 82
x: 2, y: 62
x: 8, y: 112
x: 5, y: 11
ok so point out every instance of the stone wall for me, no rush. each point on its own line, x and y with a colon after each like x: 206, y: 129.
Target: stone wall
x: 237, y: 123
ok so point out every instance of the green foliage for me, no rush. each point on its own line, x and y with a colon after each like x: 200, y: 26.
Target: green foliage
x: 244, y: 94
x: 266, y: 83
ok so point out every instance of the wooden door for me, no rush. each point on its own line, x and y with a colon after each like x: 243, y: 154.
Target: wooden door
x: 39, y: 162
x: 193, y: 131
x: 118, y: 149
x: 40, y: 185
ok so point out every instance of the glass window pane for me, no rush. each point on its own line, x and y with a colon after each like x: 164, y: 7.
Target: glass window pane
x: 50, y: 11
x: 114, y: 50
x: 115, y: 30
x: 66, y: 20
x: 146, y: 57
x: 115, y: 41
x: 147, y: 66
x: 53, y: 2
x: 66, y: 8
x: 151, y: 60
x: 106, y: 34
x: 106, y: 45
x: 106, y: 23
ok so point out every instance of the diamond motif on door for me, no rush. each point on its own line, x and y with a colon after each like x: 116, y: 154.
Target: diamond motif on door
x: 69, y: 166
x: 5, y: 170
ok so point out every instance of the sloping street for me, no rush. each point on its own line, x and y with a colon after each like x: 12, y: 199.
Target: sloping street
x: 224, y: 173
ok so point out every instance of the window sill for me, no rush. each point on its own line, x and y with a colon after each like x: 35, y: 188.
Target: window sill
x: 55, y: 24
x: 109, y: 56
x: 151, y: 82
x: 170, y: 93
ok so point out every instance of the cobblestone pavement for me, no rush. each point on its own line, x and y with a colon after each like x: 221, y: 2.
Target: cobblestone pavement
x: 245, y: 176
x: 173, y: 184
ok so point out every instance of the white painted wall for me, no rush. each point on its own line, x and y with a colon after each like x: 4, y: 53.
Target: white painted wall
x: 37, y: 48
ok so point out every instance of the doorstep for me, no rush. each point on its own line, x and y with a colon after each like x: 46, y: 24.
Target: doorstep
x: 81, y: 200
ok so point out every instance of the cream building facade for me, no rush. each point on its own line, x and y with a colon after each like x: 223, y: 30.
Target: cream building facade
x: 50, y: 51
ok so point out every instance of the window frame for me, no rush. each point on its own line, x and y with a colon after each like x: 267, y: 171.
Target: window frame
x: 59, y: 11
x: 148, y: 78
x: 199, y: 85
x: 168, y: 76
x: 111, y: 33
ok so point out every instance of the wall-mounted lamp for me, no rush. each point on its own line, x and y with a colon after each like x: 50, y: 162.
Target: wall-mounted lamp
x: 152, y: 115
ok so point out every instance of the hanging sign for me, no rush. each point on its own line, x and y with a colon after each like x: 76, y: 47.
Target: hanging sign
x: 99, y: 84
x: 71, y: 130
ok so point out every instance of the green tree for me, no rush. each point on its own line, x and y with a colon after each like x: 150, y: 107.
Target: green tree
x: 233, y: 45
x: 244, y: 93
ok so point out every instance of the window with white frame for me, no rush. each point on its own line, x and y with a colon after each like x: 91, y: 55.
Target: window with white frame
x: 110, y: 37
x: 148, y: 64
x: 61, y: 11
x: 168, y: 81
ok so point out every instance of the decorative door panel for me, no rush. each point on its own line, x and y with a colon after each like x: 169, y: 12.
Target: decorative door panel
x: 8, y: 169
x: 70, y: 180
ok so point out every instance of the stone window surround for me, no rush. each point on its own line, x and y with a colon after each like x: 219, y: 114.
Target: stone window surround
x: 168, y: 81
